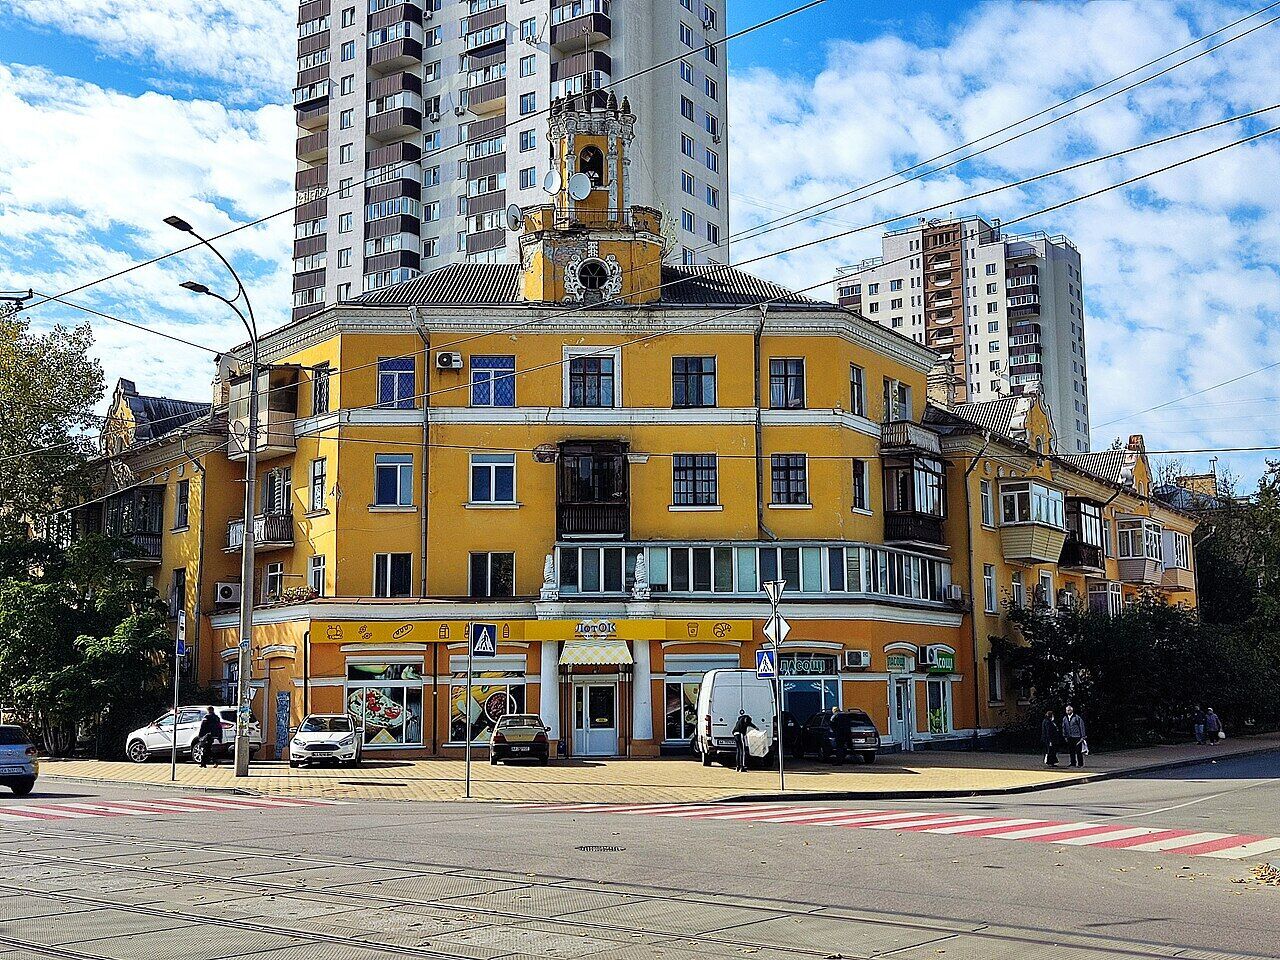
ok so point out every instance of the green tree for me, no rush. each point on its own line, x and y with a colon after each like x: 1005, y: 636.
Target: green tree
x: 48, y: 387
x: 82, y: 644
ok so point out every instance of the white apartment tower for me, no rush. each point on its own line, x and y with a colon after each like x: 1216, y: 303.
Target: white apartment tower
x: 421, y: 121
x: 1007, y: 310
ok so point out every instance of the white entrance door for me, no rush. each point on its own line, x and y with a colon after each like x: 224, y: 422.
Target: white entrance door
x: 595, y: 719
x: 901, y: 711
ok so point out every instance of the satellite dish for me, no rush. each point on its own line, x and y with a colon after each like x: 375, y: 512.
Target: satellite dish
x: 552, y: 183
x: 515, y: 217
x: 579, y: 186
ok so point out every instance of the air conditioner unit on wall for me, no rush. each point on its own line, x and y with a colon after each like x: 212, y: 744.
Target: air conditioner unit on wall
x: 857, y: 659
x: 459, y: 111
x: 448, y: 361
x: 928, y: 656
x: 226, y: 592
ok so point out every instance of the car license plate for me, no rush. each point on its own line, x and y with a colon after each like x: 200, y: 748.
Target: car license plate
x: 19, y: 770
x: 519, y: 749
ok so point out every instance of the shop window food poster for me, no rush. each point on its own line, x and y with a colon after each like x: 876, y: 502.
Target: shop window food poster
x: 386, y: 701
x: 491, y: 696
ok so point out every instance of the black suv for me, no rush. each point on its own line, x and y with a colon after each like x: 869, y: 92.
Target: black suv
x: 834, y: 736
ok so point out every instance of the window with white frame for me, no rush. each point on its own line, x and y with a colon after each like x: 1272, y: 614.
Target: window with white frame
x: 1180, y: 554
x: 694, y: 480
x: 861, y: 485
x: 1017, y: 590
x: 995, y: 679
x: 592, y: 377
x: 1139, y: 538
x: 393, y: 479
x: 315, y: 574
x: 493, y: 478
x: 988, y: 505
x: 1030, y: 502
x: 1045, y: 590
x: 396, y: 382
x: 989, y: 588
x: 392, y: 574
x: 273, y: 581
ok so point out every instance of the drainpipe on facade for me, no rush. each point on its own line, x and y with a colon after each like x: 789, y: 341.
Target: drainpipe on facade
x: 199, y: 606
x: 973, y: 605
x: 426, y: 438
x: 762, y: 531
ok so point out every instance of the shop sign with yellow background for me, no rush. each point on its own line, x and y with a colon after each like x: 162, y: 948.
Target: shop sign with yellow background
x: 386, y: 632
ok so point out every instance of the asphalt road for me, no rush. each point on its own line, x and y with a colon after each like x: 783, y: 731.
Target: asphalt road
x: 380, y: 879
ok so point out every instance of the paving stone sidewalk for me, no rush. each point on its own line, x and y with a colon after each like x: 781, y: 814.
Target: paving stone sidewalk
x: 668, y: 780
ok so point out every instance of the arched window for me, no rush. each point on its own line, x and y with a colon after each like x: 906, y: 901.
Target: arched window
x: 591, y: 162
x: 593, y: 275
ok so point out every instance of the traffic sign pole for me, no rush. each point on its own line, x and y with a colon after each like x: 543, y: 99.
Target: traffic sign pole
x: 466, y: 709
x: 482, y: 641
x: 179, y: 642
x: 777, y: 631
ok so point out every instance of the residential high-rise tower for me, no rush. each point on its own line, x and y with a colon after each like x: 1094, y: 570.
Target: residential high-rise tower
x: 1009, y: 310
x: 421, y: 121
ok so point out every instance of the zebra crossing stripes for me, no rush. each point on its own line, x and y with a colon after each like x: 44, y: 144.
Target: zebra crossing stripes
x: 14, y: 813
x: 1114, y: 836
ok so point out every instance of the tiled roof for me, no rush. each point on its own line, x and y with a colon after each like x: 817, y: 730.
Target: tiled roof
x: 153, y: 417
x: 703, y: 285
x: 993, y: 415
x: 1110, y: 465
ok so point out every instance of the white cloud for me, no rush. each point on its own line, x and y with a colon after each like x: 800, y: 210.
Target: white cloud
x: 246, y: 44
x: 1177, y: 296
x: 88, y: 177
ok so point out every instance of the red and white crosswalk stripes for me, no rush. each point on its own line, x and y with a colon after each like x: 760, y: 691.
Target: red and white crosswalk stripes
x: 12, y: 813
x: 1231, y: 846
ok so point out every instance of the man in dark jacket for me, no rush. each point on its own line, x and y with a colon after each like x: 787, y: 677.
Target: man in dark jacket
x: 210, y: 733
x: 1049, y: 737
x: 1073, y: 733
x: 740, y: 739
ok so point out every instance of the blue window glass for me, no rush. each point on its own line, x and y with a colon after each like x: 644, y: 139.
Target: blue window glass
x: 493, y: 382
x: 493, y: 478
x: 393, y: 480
x: 395, y: 382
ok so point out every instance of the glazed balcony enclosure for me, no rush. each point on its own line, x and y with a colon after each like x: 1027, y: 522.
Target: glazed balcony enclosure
x: 277, y: 411
x: 1083, y: 551
x: 1032, y: 522
x: 1140, y: 547
x: 136, y: 516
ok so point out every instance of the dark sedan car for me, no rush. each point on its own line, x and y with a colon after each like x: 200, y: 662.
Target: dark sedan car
x: 835, y: 737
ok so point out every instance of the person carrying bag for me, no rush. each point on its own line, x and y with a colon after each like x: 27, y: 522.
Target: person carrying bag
x: 1073, y: 732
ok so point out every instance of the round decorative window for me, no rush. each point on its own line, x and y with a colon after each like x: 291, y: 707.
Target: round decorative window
x: 593, y: 275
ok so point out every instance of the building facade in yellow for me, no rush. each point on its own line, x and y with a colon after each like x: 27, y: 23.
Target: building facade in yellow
x: 606, y: 456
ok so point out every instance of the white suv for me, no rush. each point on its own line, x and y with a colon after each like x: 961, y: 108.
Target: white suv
x: 157, y: 737
x: 326, y: 736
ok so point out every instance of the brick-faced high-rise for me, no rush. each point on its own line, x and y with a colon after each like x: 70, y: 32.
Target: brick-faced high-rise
x: 420, y: 121
x: 1007, y: 309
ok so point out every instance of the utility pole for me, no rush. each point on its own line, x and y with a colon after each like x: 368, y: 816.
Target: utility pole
x: 244, y: 707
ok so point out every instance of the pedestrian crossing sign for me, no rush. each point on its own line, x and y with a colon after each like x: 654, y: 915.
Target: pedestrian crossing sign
x: 484, y: 639
x: 766, y: 664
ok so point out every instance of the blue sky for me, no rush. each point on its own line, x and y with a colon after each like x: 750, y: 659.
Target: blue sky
x: 115, y: 113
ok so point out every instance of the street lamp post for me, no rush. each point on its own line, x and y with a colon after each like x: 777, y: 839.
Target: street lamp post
x: 773, y: 589
x: 244, y: 660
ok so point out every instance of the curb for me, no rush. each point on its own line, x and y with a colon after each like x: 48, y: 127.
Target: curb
x: 776, y: 796
x: 163, y: 785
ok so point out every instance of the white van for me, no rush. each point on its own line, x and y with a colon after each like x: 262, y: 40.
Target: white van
x: 723, y: 696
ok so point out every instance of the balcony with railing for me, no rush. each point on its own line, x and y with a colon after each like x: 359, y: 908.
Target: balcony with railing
x: 395, y: 55
x: 395, y: 124
x: 271, y: 531
x: 485, y: 98
x: 592, y: 490
x: 313, y: 146
x: 136, y: 516
x: 907, y: 436
x: 1081, y: 557
x: 580, y: 24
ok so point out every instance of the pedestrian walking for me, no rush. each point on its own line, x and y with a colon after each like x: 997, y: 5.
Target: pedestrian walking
x: 1073, y: 733
x: 1212, y: 726
x: 740, y: 729
x: 210, y: 733
x: 1049, y: 737
x: 1197, y: 722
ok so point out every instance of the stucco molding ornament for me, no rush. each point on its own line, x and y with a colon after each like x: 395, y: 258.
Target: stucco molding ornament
x: 550, y: 589
x: 576, y: 292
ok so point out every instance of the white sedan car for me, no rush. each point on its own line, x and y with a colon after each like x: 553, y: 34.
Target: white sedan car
x: 325, y: 736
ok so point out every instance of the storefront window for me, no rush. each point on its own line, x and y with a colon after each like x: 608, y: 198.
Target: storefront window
x: 810, y: 684
x: 938, y: 693
x: 386, y: 699
x: 493, y: 694
x: 682, y: 709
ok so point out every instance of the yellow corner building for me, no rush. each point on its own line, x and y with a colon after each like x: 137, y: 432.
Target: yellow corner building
x: 605, y: 456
